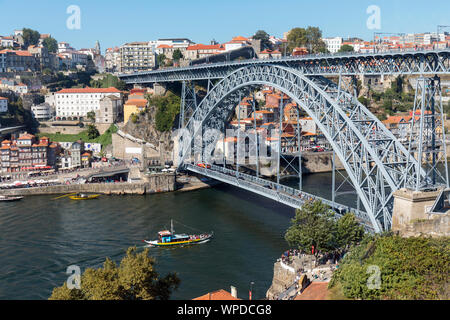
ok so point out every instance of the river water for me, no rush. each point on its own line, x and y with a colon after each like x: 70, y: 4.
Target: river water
x: 40, y: 237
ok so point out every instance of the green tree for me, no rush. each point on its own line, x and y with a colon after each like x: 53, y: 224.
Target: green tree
x: 91, y: 116
x: 160, y: 59
x: 30, y: 37
x: 348, y: 231
x: 177, y: 55
x: 51, y: 44
x: 311, y: 38
x: 364, y: 101
x: 314, y: 41
x: 346, y: 48
x: 92, y: 131
x: 108, y: 81
x: 313, y: 225
x: 167, y: 108
x: 296, y: 38
x: 134, y: 279
x: 410, y: 269
x: 47, y: 71
x: 264, y: 37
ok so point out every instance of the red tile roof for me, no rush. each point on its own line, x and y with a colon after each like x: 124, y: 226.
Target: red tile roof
x: 217, y: 295
x: 26, y: 137
x: 239, y: 38
x: 90, y: 90
x: 315, y: 291
x: 205, y: 47
x: 137, y: 102
x: 164, y: 46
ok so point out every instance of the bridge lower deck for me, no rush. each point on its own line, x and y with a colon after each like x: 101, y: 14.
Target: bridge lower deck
x: 289, y: 196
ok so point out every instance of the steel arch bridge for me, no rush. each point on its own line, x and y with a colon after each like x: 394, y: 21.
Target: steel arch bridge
x: 376, y: 162
x: 430, y: 62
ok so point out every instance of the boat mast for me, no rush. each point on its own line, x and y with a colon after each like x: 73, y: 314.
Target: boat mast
x: 171, y: 226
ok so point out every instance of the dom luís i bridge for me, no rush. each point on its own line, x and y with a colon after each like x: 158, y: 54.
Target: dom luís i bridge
x: 226, y: 135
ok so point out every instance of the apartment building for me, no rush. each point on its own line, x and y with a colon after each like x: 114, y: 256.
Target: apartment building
x: 25, y: 153
x: 72, y: 104
x: 42, y: 112
x: 137, y: 56
x: 17, y: 60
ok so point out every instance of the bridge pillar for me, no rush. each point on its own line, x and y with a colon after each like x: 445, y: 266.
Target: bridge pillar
x: 427, y: 135
x: 411, y: 206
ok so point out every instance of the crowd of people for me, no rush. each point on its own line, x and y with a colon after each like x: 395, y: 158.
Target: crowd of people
x: 288, y: 255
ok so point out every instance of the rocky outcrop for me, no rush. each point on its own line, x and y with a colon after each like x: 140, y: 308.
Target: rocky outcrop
x: 145, y: 129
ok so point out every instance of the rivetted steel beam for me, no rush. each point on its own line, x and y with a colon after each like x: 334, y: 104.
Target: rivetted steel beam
x: 387, y: 63
x: 376, y: 168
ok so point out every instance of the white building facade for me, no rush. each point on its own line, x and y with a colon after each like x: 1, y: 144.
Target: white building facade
x: 333, y: 44
x: 71, y: 104
x: 42, y: 112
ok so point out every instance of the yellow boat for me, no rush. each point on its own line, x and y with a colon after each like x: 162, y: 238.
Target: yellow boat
x: 83, y: 196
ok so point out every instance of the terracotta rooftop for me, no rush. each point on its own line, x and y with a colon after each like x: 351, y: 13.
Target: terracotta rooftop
x: 217, y: 295
x: 205, y: 47
x: 90, y: 90
x: 26, y: 137
x: 137, y: 102
x: 315, y: 291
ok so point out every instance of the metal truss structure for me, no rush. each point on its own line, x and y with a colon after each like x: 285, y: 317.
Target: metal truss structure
x: 376, y: 162
x: 402, y: 63
x: 427, y: 136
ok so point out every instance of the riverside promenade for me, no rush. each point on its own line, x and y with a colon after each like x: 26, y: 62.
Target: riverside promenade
x: 155, y: 183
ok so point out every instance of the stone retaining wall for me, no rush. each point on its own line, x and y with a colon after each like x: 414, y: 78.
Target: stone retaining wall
x: 152, y: 184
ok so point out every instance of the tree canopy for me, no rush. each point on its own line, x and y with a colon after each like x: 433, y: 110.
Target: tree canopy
x: 264, y: 37
x: 177, y: 55
x: 167, y: 108
x: 51, y: 44
x: 134, y: 279
x: 311, y: 38
x: 408, y: 268
x: 161, y: 59
x: 314, y: 225
x: 346, y: 48
x: 109, y: 81
x: 30, y: 37
x: 92, y: 131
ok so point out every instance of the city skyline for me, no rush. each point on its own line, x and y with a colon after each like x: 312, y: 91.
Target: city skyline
x: 112, y: 26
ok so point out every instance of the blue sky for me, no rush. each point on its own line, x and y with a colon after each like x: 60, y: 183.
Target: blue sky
x: 116, y: 22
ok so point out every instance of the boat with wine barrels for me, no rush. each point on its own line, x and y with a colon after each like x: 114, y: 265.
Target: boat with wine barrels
x: 167, y: 238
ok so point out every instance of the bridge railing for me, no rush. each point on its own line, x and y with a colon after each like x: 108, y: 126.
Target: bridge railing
x: 293, y: 58
x: 285, y: 194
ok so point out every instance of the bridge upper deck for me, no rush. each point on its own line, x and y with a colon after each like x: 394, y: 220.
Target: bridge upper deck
x: 417, y: 62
